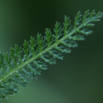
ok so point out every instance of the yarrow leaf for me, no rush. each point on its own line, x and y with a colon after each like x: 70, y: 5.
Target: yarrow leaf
x: 21, y: 65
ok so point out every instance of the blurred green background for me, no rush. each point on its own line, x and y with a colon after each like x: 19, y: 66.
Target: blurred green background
x: 76, y: 79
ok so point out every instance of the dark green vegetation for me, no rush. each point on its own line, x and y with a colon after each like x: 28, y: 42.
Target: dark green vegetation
x: 21, y: 65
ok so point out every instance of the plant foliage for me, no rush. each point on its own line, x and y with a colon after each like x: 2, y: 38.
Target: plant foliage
x: 21, y: 65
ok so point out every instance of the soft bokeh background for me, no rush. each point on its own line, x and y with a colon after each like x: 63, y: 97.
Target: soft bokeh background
x: 76, y: 79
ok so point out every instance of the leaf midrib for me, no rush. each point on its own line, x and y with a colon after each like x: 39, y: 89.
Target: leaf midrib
x: 3, y: 78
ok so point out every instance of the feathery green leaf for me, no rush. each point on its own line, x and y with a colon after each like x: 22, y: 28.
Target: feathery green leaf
x: 21, y: 65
